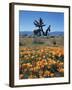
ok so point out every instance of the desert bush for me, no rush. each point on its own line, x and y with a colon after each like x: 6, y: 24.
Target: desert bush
x: 30, y: 36
x: 21, y: 44
x: 38, y: 40
x: 54, y: 42
x: 52, y: 36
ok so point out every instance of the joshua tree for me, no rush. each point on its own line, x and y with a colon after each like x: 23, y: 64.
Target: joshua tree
x: 48, y: 30
x: 40, y: 24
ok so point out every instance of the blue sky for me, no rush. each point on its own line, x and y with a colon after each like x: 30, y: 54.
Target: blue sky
x: 55, y: 19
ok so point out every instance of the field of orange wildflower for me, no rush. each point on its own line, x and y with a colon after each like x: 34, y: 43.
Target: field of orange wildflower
x: 41, y: 62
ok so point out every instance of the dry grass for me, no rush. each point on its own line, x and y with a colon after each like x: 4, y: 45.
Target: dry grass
x: 26, y: 41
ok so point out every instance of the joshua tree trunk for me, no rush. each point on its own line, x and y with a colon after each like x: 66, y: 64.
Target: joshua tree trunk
x: 43, y: 32
x: 48, y: 30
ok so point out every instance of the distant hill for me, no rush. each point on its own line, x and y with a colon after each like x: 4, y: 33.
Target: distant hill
x: 56, y: 33
x: 24, y: 33
x: 28, y: 33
